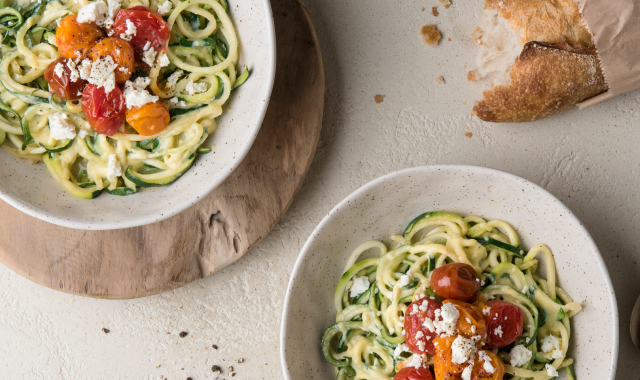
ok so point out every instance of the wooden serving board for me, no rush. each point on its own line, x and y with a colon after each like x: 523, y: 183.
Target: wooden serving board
x: 141, y: 261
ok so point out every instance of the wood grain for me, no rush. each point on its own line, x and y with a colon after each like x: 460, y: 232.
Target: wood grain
x: 220, y: 229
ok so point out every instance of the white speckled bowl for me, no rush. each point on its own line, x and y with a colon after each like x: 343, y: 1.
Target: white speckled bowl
x: 32, y: 190
x: 384, y: 207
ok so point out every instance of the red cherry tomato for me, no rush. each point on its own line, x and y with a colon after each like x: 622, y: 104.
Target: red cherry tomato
x: 104, y: 112
x: 504, y: 324
x: 150, y: 27
x: 411, y: 373
x: 62, y: 85
x: 456, y: 281
x: 417, y: 336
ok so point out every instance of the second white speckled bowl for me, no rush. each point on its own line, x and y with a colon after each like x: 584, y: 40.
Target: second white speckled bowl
x: 31, y: 189
x: 384, y: 207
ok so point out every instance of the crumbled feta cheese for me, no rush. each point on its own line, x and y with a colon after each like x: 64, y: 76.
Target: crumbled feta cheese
x: 486, y: 310
x: 524, y: 290
x: 174, y: 100
x: 473, y: 329
x: 163, y: 60
x: 449, y: 315
x: 519, y: 355
x: 102, y: 73
x: 359, y: 285
x: 130, y: 32
x: 59, y: 70
x: 59, y: 128
x: 165, y: 8
x: 551, y: 370
x: 551, y: 345
x: 113, y: 166
x: 148, y: 54
x: 93, y: 12
x: 419, y: 334
x: 196, y: 88
x: 462, y: 350
x: 498, y: 331
x: 85, y: 69
x: 82, y: 133
x: 428, y: 324
x: 416, y: 361
x: 73, y: 71
x: 482, y: 355
x: 400, y: 349
x: 392, y: 330
x: 466, y: 374
x: 468, y: 320
x: 114, y: 8
x: 135, y: 94
x: 482, y: 282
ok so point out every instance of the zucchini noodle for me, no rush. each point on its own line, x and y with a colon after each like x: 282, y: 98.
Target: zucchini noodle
x: 203, y: 53
x: 371, y: 298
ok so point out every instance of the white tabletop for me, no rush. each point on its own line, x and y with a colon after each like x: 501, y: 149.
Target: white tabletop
x: 589, y: 159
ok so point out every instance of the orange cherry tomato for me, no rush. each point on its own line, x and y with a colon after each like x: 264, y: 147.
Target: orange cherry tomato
x: 480, y: 372
x: 150, y: 27
x: 417, y: 336
x: 149, y: 119
x: 443, y: 366
x: 74, y: 39
x: 104, y: 112
x: 411, y: 373
x: 471, y: 320
x: 121, y: 53
x: 62, y: 85
x: 457, y: 281
x: 504, y: 324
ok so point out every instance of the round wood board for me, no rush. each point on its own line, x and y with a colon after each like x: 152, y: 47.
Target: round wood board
x: 220, y: 229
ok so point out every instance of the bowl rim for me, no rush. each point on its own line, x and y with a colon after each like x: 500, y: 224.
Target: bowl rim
x: 346, y: 202
x: 130, y: 222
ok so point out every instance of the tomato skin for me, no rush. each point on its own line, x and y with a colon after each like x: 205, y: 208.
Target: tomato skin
x: 411, y: 373
x: 456, y: 281
x: 121, y: 53
x: 470, y: 316
x: 443, y: 365
x: 63, y: 86
x: 413, y: 324
x: 479, y: 373
x: 104, y: 112
x: 74, y: 39
x: 511, y: 327
x: 150, y: 27
x: 149, y: 119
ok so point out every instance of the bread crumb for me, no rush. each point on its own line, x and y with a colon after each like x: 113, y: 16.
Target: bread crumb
x: 471, y: 76
x: 423, y: 9
x: 468, y: 134
x: 449, y: 38
x: 379, y: 98
x: 445, y: 3
x: 430, y: 34
x: 440, y: 80
x: 434, y: 11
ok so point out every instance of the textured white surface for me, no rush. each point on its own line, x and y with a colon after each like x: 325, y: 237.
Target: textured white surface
x: 589, y: 159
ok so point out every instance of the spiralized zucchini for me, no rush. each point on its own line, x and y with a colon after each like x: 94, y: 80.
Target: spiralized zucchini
x: 369, y: 324
x: 203, y: 49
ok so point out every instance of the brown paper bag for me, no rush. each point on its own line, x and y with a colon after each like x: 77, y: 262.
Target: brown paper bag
x: 615, y: 25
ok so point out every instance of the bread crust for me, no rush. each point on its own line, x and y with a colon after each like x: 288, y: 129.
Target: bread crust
x: 546, y: 79
x: 548, y: 21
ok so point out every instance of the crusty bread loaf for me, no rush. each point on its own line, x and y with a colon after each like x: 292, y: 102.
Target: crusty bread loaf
x: 557, y: 68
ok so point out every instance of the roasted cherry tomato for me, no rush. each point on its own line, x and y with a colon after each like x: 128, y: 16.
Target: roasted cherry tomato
x: 482, y: 371
x: 470, y: 320
x: 443, y: 366
x: 150, y: 27
x: 456, y: 281
x: 62, y: 85
x: 411, y: 373
x: 149, y: 119
x: 104, y: 112
x: 121, y: 53
x: 417, y: 336
x: 74, y: 39
x: 504, y: 324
